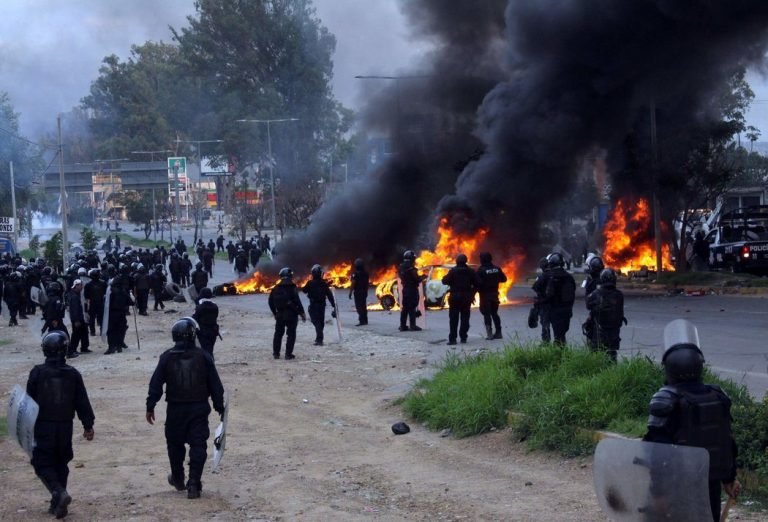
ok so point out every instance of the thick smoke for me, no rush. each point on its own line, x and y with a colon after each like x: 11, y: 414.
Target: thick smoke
x: 564, y: 78
x: 429, y: 114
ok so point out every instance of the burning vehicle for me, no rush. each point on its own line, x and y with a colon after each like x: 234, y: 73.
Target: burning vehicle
x: 435, y: 292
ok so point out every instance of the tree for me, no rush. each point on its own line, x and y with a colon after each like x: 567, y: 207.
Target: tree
x: 139, y: 209
x: 88, y: 239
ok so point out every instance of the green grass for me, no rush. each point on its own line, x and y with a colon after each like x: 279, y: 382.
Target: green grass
x: 3, y: 428
x: 5, y: 342
x: 558, y: 396
x: 126, y: 239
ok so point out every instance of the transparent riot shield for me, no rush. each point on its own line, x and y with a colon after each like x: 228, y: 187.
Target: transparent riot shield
x: 638, y: 481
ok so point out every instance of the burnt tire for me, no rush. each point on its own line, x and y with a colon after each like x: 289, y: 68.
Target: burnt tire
x: 387, y: 302
x: 173, y: 289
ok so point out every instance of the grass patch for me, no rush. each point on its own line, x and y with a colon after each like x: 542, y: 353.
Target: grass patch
x: 560, y: 395
x: 126, y: 239
x: 711, y: 279
x: 5, y: 342
x: 3, y: 428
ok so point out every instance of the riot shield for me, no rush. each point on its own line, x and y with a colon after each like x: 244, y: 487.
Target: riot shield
x: 34, y: 295
x: 105, y: 317
x: 85, y: 280
x: 638, y: 481
x: 337, y: 320
x: 22, y: 415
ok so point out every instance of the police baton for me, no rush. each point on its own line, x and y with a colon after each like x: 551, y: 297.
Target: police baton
x: 136, y: 326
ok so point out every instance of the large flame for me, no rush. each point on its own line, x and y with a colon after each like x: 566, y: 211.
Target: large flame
x: 449, y: 245
x: 629, y: 243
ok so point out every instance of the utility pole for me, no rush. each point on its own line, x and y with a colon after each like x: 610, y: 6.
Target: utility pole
x: 13, y: 207
x: 64, y: 239
x: 154, y: 216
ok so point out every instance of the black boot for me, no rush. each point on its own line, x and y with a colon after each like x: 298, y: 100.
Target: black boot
x: 498, y: 335
x: 193, y: 489
x: 176, y: 482
x: 489, y: 331
x: 62, y: 501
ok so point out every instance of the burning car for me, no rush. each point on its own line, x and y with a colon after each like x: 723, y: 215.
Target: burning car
x: 388, y: 292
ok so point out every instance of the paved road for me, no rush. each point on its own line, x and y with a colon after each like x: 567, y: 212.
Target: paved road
x: 733, y: 329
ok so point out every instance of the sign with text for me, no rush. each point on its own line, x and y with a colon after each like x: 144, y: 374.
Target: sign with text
x: 216, y: 166
x: 177, y: 165
x: 7, y: 225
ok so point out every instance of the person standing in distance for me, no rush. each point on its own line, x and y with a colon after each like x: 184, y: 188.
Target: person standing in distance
x: 606, y: 314
x: 464, y: 283
x: 77, y: 318
x: 190, y: 378
x: 359, y: 289
x: 540, y: 301
x: 60, y: 392
x: 286, y: 306
x: 318, y: 291
x: 207, y: 314
x: 687, y: 412
x: 560, y: 295
x: 410, y: 280
x: 490, y: 276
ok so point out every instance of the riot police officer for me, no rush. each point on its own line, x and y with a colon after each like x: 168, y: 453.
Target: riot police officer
x: 190, y: 377
x: 119, y: 303
x: 59, y: 392
x: 540, y: 305
x: 207, y: 314
x: 687, y: 412
x: 606, y: 314
x: 78, y: 319
x: 595, y: 266
x: 463, y: 283
x: 94, y: 292
x: 359, y: 290
x: 318, y: 292
x: 560, y: 295
x: 286, y: 306
x: 199, y: 278
x: 410, y: 280
x: 490, y: 276
x: 157, y: 280
x: 12, y: 295
x: 142, y: 283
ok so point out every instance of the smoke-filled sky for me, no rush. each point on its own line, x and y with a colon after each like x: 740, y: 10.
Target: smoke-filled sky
x: 50, y: 51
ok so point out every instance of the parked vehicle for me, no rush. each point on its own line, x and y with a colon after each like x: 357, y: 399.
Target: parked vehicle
x: 739, y: 241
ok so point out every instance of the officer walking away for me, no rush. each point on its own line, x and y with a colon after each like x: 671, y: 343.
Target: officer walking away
x: 119, y: 303
x: 12, y: 296
x: 94, y: 293
x: 359, y: 290
x: 77, y: 318
x: 207, y: 314
x: 560, y: 296
x: 318, y: 291
x: 606, y: 315
x: 54, y: 311
x: 190, y: 377
x: 60, y: 392
x: 490, y: 276
x: 540, y: 301
x: 687, y: 412
x: 157, y: 280
x: 463, y: 283
x: 286, y: 306
x: 410, y: 280
x: 199, y: 279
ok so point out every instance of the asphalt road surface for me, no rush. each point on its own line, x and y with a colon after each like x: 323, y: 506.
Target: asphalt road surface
x: 733, y: 329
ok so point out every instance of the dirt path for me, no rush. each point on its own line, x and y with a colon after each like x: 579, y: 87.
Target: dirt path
x: 309, y: 440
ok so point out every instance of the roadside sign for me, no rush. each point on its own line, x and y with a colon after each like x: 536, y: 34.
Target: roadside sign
x: 7, y: 225
x: 6, y: 246
x: 178, y: 164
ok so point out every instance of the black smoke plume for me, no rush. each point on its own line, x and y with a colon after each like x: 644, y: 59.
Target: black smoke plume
x: 530, y: 88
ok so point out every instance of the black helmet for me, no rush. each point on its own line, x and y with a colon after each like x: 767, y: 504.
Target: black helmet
x: 199, y: 265
x: 543, y: 263
x: 317, y: 271
x: 359, y: 263
x: 47, y: 270
x: 486, y: 257
x: 409, y: 255
x: 185, y: 255
x: 205, y: 293
x: 461, y: 260
x: 555, y: 260
x: 158, y: 267
x: 595, y: 265
x: 55, y: 343
x: 607, y: 277
x: 683, y: 360
x: 286, y: 273
x: 185, y: 330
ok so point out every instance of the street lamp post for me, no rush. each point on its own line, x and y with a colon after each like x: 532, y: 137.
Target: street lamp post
x: 154, y: 199
x: 200, y: 164
x: 271, y: 162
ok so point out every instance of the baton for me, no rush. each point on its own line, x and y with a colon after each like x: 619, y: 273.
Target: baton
x: 730, y: 502
x: 136, y: 326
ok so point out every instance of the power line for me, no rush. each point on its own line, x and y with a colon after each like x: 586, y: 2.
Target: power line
x: 14, y: 135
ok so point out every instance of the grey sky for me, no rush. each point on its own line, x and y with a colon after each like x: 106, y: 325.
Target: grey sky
x: 50, y: 51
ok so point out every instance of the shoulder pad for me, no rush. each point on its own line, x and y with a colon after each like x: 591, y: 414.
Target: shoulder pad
x: 663, y: 402
x: 720, y: 391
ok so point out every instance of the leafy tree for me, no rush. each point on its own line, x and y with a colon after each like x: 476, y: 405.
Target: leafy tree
x: 139, y: 209
x: 52, y: 251
x: 88, y: 238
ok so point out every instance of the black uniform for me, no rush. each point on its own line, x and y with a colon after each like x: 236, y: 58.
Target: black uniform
x: 79, y: 325
x: 119, y: 303
x: 94, y: 292
x: 286, y: 306
x: 60, y: 392
x: 158, y: 280
x: 697, y: 414
x: 490, y: 276
x: 206, y: 314
x: 560, y: 295
x: 359, y: 290
x: 606, y: 314
x: 464, y: 283
x: 241, y: 264
x: 254, y: 254
x: 541, y: 305
x: 12, y: 294
x: 318, y: 291
x: 199, y: 279
x: 142, y: 283
x: 53, y: 314
x: 186, y: 268
x: 410, y: 280
x: 190, y: 377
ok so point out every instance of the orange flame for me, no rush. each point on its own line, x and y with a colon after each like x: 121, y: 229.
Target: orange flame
x: 629, y: 245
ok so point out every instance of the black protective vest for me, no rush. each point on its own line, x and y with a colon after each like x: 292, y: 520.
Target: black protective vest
x: 56, y: 393
x: 607, y: 306
x: 186, y: 376
x: 490, y: 278
x: 705, y: 422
